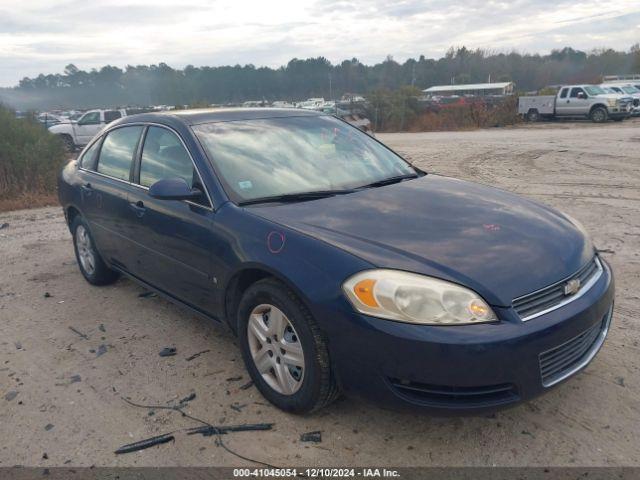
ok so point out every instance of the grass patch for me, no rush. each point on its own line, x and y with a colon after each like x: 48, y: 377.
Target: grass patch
x: 30, y: 160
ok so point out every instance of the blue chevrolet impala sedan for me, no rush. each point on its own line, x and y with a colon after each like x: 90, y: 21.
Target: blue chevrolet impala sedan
x: 340, y: 267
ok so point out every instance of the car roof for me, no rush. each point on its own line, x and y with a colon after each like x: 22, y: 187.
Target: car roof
x: 214, y: 115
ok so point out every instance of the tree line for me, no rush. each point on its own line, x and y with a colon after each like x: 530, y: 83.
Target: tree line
x: 144, y: 85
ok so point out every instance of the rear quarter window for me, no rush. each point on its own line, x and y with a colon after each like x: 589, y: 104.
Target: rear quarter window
x: 89, y: 158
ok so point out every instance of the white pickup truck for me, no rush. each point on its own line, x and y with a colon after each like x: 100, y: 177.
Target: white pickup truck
x: 78, y: 133
x: 588, y: 101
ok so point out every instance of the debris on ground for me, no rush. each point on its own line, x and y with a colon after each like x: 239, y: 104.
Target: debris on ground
x: 237, y: 406
x: 48, y: 426
x: 101, y: 328
x: 196, y: 355
x: 18, y: 345
x: 247, y: 385
x: 210, y: 430
x: 45, y: 456
x: 314, y: 437
x: 168, y: 352
x: 148, y: 294
x: 4, y: 225
x: 78, y: 332
x: 187, y: 399
x: 620, y: 381
x: 102, y: 349
x: 11, y: 395
x: 234, y: 379
x: 47, y: 295
x: 206, y: 431
x: 75, y: 379
x: 147, y: 443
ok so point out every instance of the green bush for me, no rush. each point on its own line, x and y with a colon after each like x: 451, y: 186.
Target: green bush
x: 30, y: 157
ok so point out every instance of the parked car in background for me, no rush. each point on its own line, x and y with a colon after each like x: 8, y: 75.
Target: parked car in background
x: 49, y: 119
x: 301, y: 234
x: 585, y: 101
x: 77, y: 133
x: 626, y: 90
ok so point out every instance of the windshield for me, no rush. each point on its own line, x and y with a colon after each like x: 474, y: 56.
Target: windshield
x: 594, y: 90
x: 283, y: 156
x: 629, y: 89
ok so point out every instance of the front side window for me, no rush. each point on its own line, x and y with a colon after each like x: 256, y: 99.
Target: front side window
x: 575, y: 91
x: 91, y: 118
x: 117, y: 152
x: 164, y: 156
x: 111, y: 115
x: 293, y: 155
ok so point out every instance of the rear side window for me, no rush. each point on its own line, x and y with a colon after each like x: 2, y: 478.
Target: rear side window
x: 111, y: 115
x: 563, y: 93
x: 117, y: 152
x: 164, y: 156
x: 90, y: 157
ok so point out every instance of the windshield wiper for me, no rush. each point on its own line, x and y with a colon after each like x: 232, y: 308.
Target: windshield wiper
x: 295, y: 197
x: 389, y: 181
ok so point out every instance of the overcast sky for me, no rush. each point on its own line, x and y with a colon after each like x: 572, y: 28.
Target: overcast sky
x: 42, y: 36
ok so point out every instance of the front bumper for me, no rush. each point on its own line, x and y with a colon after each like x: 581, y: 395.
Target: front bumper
x: 471, y: 368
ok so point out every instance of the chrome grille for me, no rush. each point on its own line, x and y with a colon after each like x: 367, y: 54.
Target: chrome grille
x: 564, y: 360
x: 552, y: 297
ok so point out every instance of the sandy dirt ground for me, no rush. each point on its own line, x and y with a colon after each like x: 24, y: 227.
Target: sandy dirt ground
x: 61, y: 389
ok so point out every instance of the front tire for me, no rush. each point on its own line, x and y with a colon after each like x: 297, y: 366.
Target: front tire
x: 283, y: 348
x: 599, y: 115
x: 91, y: 265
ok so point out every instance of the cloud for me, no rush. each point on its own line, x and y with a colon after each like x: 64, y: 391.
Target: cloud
x: 40, y: 36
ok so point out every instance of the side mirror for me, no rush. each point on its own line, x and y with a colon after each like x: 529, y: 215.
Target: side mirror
x: 173, y: 189
x: 581, y: 95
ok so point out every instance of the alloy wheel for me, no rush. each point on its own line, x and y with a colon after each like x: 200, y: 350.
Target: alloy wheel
x: 276, y: 349
x: 85, y: 250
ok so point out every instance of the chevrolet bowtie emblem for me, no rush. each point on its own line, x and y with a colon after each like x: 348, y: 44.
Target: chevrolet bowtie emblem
x: 572, y: 286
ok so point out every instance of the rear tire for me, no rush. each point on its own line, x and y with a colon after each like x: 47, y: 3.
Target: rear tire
x: 533, y: 116
x: 599, y: 115
x: 91, y: 265
x: 266, y: 351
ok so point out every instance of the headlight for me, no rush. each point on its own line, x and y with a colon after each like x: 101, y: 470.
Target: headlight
x: 412, y: 298
x: 613, y: 102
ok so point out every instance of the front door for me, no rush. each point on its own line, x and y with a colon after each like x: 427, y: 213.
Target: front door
x: 174, y: 237
x: 578, y: 102
x: 87, y: 127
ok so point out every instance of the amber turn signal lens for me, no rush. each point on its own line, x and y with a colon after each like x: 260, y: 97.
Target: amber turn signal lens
x: 478, y: 309
x: 364, y: 292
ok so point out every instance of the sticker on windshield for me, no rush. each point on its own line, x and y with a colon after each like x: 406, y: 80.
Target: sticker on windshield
x: 245, y: 184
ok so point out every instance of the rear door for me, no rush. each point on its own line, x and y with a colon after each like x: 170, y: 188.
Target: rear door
x: 175, y: 237
x: 105, y: 185
x: 563, y: 102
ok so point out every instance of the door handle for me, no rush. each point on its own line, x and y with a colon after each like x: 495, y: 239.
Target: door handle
x: 87, y: 189
x: 138, y: 208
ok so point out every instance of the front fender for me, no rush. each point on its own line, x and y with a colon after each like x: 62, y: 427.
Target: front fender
x: 313, y: 269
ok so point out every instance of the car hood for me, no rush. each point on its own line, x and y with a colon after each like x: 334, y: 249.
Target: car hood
x: 499, y: 244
